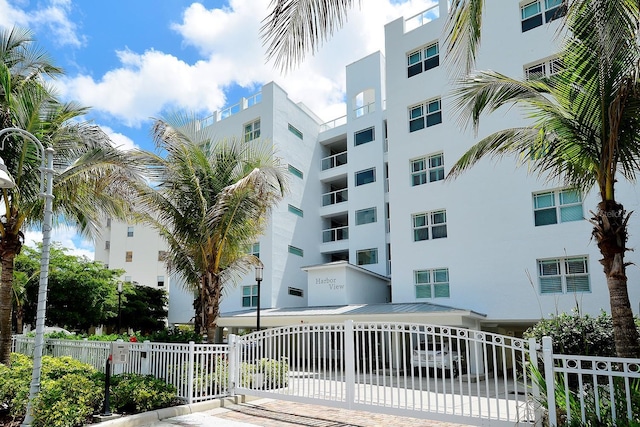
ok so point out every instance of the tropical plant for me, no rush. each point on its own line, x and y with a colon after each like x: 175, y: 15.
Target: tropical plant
x: 91, y: 177
x: 209, y: 201
x: 584, y: 129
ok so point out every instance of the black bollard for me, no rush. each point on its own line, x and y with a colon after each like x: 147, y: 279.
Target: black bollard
x: 106, y: 410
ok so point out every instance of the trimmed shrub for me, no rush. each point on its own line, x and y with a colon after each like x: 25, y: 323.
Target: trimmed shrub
x: 14, y: 384
x: 66, y: 401
x: 577, y: 334
x: 131, y: 393
x: 69, y: 390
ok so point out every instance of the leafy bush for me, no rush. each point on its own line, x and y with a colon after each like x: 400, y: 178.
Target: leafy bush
x: 72, y: 391
x: 132, y: 393
x: 175, y: 335
x: 273, y: 373
x: 14, y: 384
x: 276, y: 373
x: 577, y: 334
x: 69, y: 390
x: 66, y: 401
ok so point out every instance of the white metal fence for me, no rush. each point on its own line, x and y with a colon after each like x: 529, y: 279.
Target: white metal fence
x: 425, y: 371
x: 198, y: 371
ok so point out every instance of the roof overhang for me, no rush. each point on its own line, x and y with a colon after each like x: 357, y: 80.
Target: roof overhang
x: 402, y: 313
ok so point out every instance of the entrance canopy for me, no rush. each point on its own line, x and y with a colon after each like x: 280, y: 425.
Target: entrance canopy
x: 401, y: 312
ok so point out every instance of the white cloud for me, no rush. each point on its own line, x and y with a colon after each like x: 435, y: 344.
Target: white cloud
x: 54, y: 17
x: 120, y: 141
x: 147, y: 83
x: 68, y: 239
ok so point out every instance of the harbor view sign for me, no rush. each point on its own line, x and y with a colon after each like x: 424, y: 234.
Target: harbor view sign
x: 333, y: 286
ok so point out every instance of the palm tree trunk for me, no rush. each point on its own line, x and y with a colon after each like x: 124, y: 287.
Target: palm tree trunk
x: 212, y: 300
x: 610, y: 231
x: 6, y: 283
x: 19, y: 320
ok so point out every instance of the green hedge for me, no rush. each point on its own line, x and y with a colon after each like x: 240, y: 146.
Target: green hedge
x: 71, y: 391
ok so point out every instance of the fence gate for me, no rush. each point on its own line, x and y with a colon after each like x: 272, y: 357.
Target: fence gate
x: 417, y: 370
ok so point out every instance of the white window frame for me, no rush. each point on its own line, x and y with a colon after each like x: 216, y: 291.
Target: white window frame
x: 295, y: 210
x: 428, y: 221
x: 425, y: 169
x: 252, y: 130
x: 252, y: 296
x: 421, y: 113
x: 545, y: 11
x: 545, y: 68
x: 254, y: 249
x: 363, y: 211
x: 373, y: 256
x: 431, y: 280
x: 295, y: 171
x: 422, y: 55
x: 294, y: 130
x: 559, y: 205
x: 362, y: 131
x: 373, y: 170
x: 564, y: 275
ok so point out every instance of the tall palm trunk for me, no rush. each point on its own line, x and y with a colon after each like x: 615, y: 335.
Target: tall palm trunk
x: 9, y: 248
x: 610, y: 232
x: 213, y: 294
x: 19, y: 319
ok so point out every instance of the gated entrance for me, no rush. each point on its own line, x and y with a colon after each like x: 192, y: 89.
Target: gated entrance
x: 424, y: 371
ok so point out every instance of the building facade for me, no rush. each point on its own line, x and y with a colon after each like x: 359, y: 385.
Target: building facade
x: 371, y: 220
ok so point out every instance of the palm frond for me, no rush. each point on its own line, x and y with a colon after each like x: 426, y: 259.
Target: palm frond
x: 294, y: 27
x: 463, y: 34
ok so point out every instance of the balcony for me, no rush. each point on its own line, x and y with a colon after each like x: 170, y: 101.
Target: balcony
x: 335, y: 197
x: 334, y: 161
x: 335, y: 234
x: 365, y: 109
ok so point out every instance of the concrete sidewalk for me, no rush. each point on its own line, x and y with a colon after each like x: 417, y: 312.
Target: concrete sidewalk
x: 268, y: 413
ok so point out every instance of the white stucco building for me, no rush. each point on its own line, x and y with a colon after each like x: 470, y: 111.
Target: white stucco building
x: 371, y: 229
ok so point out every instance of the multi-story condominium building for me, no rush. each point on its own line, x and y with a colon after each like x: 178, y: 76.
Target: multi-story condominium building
x: 371, y: 228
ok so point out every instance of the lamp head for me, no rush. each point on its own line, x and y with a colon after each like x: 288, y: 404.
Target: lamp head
x: 259, y: 270
x: 6, y: 180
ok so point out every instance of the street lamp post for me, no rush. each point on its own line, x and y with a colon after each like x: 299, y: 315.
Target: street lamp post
x: 259, y: 271
x: 119, y: 305
x: 46, y: 192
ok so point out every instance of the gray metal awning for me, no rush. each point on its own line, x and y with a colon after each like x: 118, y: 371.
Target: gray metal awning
x: 389, y: 312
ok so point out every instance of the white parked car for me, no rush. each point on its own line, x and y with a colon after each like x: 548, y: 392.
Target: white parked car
x: 436, y: 357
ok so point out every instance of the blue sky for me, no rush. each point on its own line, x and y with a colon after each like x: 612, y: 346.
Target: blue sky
x: 132, y: 60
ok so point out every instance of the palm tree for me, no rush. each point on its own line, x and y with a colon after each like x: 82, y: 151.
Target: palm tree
x: 91, y: 177
x: 210, y: 200
x: 585, y: 129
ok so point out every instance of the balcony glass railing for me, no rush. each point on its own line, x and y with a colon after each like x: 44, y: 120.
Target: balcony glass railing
x: 334, y: 197
x: 333, y: 123
x: 335, y: 234
x: 422, y: 18
x: 334, y: 161
x: 365, y: 109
